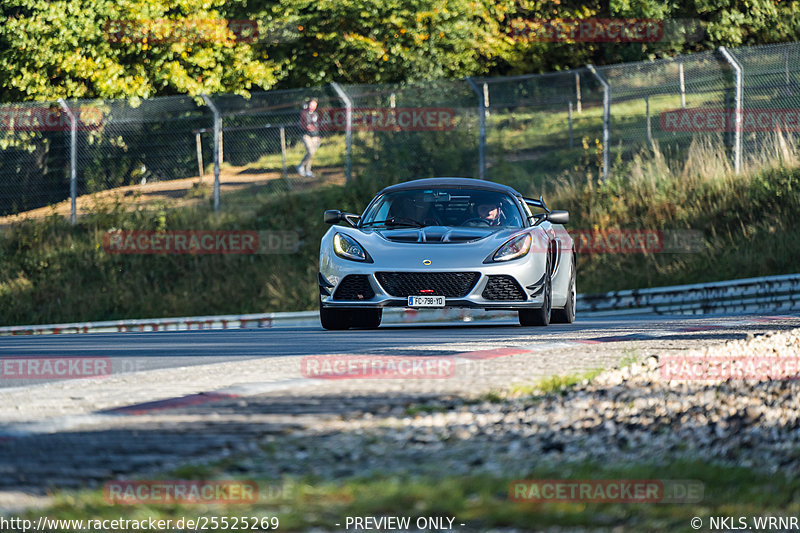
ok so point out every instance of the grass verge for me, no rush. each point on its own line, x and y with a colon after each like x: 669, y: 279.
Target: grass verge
x: 553, y: 384
x: 480, y: 501
x: 53, y: 272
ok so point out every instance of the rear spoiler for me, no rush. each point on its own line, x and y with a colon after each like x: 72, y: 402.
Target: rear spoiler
x: 537, y: 203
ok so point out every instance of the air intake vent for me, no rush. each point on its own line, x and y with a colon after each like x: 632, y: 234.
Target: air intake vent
x: 503, y: 287
x: 354, y: 287
x: 449, y: 284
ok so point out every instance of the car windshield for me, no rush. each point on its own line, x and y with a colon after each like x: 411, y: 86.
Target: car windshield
x: 443, y: 207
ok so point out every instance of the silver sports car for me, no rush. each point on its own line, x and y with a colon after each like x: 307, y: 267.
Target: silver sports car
x: 447, y: 242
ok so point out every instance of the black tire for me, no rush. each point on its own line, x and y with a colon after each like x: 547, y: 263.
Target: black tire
x: 567, y: 315
x: 365, y: 318
x: 541, y: 316
x: 334, y: 318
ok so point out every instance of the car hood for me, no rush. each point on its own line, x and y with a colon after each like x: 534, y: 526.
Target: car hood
x: 436, y: 234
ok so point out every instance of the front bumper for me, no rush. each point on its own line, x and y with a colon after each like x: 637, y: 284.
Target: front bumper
x: 524, y: 273
x: 450, y: 303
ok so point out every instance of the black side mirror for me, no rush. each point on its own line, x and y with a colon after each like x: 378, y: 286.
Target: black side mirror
x: 332, y: 216
x: 558, y: 217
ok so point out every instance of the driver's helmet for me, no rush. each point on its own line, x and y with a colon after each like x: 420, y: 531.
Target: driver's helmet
x: 491, y: 210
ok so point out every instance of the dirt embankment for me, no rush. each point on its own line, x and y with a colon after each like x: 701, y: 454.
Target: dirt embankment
x: 180, y: 192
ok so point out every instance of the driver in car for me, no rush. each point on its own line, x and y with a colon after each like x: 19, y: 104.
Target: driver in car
x: 492, y: 213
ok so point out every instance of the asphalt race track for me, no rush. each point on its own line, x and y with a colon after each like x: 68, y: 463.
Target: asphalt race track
x: 172, y: 397
x: 188, y: 348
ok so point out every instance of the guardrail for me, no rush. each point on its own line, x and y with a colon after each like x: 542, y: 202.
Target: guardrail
x: 259, y: 320
x: 773, y: 293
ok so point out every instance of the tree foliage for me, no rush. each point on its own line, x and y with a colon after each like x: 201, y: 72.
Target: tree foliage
x: 70, y: 48
x: 369, y: 41
x: 720, y: 23
x: 64, y: 48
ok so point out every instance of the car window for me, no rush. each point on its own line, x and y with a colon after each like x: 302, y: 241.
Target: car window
x: 445, y: 207
x: 382, y: 209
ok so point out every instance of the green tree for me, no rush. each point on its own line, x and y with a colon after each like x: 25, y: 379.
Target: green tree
x: 720, y: 23
x: 744, y: 22
x: 124, y: 48
x: 67, y: 47
x: 380, y: 41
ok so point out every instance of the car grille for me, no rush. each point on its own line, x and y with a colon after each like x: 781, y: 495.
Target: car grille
x: 354, y: 287
x: 449, y: 284
x: 503, y: 287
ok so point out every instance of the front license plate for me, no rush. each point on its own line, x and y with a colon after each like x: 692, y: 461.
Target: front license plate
x: 426, y: 301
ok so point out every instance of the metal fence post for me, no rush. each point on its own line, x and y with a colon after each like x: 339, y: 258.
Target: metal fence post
x: 283, y: 152
x: 578, y: 90
x: 73, y: 161
x: 737, y: 103
x: 482, y: 130
x: 728, y: 137
x: 682, y: 84
x: 647, y: 115
x: 571, y: 144
x: 217, y: 134
x: 606, y: 118
x: 348, y: 130
x: 199, y: 146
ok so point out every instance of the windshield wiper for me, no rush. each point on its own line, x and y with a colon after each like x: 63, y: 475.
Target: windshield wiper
x: 395, y: 221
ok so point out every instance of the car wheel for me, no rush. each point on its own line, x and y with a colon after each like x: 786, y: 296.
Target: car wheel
x: 541, y: 316
x: 567, y: 315
x: 366, y: 318
x: 333, y: 318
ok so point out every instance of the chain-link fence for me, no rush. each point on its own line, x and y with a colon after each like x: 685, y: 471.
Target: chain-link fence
x: 422, y: 129
x: 510, y: 129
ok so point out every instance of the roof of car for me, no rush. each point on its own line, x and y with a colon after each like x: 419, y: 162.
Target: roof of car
x: 451, y: 183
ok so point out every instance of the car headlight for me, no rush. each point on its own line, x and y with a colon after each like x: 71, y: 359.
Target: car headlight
x: 513, y: 248
x: 347, y: 247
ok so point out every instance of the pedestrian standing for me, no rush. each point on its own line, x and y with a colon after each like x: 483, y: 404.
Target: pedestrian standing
x: 309, y: 124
